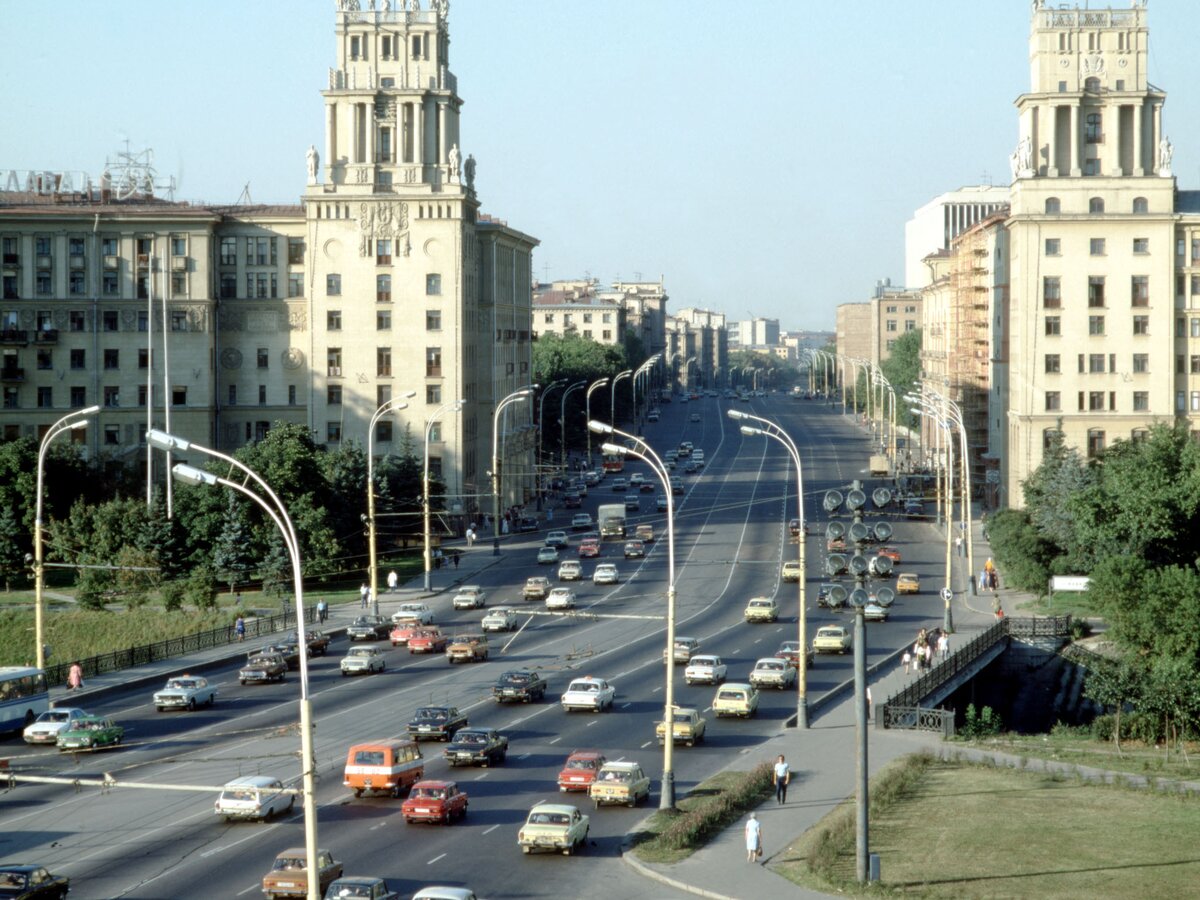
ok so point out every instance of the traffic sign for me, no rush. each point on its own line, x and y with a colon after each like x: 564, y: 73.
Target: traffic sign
x: 947, y: 594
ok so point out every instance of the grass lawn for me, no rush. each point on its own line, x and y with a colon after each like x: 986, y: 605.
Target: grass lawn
x: 1135, y: 758
x: 963, y: 830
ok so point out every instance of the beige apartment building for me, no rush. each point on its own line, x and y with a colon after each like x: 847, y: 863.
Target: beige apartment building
x: 868, y: 330
x: 386, y: 280
x: 575, y: 307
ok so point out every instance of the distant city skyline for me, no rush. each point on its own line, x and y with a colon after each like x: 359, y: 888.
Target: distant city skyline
x: 761, y: 159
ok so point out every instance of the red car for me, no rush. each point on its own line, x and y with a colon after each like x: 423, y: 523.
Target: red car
x: 580, y: 770
x: 402, y: 634
x: 434, y: 801
x: 589, y: 547
x: 429, y: 640
x: 891, y: 553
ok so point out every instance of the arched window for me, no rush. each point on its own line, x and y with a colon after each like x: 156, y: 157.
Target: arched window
x: 1096, y: 205
x: 1092, y: 85
x: 1053, y: 208
x: 1141, y: 205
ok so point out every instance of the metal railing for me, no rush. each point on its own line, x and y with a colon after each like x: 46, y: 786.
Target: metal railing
x: 117, y: 660
x: 916, y: 718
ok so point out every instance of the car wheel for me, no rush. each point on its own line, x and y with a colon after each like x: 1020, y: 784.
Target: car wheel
x: 242, y: 681
x: 526, y: 850
x: 291, y: 803
x: 358, y: 792
x: 691, y: 743
x: 192, y: 705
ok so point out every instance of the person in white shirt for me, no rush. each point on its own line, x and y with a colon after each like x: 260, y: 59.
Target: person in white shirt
x: 782, y: 775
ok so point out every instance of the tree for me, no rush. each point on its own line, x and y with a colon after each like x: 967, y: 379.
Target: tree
x: 12, y: 548
x: 902, y: 369
x: 276, y: 568
x: 1024, y: 555
x: 1114, y: 685
x: 232, y: 557
x: 575, y: 358
x: 161, y: 537
x: 1050, y: 490
x: 132, y: 583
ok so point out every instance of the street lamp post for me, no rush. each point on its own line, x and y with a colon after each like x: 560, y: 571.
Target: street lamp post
x: 612, y: 401
x: 924, y: 408
x: 542, y: 422
x: 517, y: 396
x: 643, y: 452
x: 562, y: 423
x: 598, y: 383
x: 456, y: 406
x: 772, y: 430
x: 372, y: 567
x: 954, y: 413
x: 69, y: 422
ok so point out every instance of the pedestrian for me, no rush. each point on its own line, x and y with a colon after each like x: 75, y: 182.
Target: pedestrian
x: 943, y: 645
x: 237, y: 600
x: 470, y: 536
x: 999, y: 612
x: 918, y: 656
x: 995, y: 580
x: 322, y: 611
x: 782, y: 775
x: 958, y: 545
x: 362, y: 594
x: 370, y: 598
x: 907, y: 660
x: 75, y: 677
x: 455, y: 555
x: 929, y: 656
x: 393, y: 579
x: 753, y: 838
x: 239, y: 628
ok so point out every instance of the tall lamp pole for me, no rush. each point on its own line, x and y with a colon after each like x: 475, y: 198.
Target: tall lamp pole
x: 562, y: 422
x: 70, y: 422
x: 612, y: 401
x: 372, y: 566
x: 542, y: 418
x: 642, y: 451
x: 456, y: 406
x: 598, y: 383
x: 517, y: 396
x: 924, y: 407
x: 953, y: 412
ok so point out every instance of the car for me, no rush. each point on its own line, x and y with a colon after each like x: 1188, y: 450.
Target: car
x: 526, y: 524
x: 685, y: 449
x: 589, y: 547
x: 581, y: 521
x: 501, y: 618
x: 704, y: 669
x: 588, y: 692
x: 444, y: 892
x: 521, y: 685
x: 436, y: 723
x: 318, y: 641
x: 633, y: 503
x: 45, y: 728
x: 761, y: 609
x: 360, y: 660
x: 908, y: 583
x: 390, y: 766
x: 404, y: 632
x: 364, y: 886
x: 790, y: 571
x: 428, y: 640
x: 914, y: 507
x: 606, y: 573
x: 579, y: 771
x: 653, y: 416
x: 413, y: 612
x: 469, y: 596
x: 832, y: 639
x: 891, y: 553
x: 369, y: 628
x: 698, y: 456
x: 570, y: 570
x: 572, y: 500
x: 636, y: 480
x: 185, y: 692
x: 773, y: 672
x: 536, y: 587
x: 89, y: 733
x: 467, y: 648
x: 694, y: 417
x: 661, y: 503
x: 683, y: 649
x: 253, y: 797
x: 554, y: 826
x: 634, y: 549
x: 471, y: 746
x: 676, y: 484
x: 735, y: 700
x: 288, y: 648
x: 687, y: 727
x: 790, y: 652
x: 434, y: 801
x: 622, y: 782
x: 873, y: 612
x: 644, y: 533
x: 619, y: 484
x: 27, y: 882
x: 794, y: 528
x: 560, y: 598
x: 289, y: 873
x: 691, y: 468
x: 557, y: 539
x: 547, y: 556
x: 261, y: 668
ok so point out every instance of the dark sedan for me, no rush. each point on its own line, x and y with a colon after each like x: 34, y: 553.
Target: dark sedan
x: 22, y: 882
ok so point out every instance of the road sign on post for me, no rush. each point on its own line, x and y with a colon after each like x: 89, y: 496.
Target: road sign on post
x: 947, y: 594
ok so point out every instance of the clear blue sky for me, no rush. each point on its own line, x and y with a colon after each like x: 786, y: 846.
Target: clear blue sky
x: 761, y: 156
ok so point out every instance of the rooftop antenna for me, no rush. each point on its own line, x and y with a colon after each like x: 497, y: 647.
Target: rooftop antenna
x: 244, y: 198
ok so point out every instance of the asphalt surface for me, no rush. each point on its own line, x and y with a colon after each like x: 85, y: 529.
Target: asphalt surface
x: 731, y: 537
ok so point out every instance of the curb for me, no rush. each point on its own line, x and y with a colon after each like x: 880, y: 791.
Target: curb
x: 654, y: 875
x: 839, y: 690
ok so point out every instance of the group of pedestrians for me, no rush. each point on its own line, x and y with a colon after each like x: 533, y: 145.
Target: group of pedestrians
x: 927, y: 645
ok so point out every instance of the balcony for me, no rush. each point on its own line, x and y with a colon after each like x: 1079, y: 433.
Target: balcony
x: 432, y: 371
x: 16, y: 336
x: 46, y: 336
x: 12, y: 374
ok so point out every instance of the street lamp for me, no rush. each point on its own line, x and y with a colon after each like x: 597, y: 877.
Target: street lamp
x: 70, y: 422
x: 598, y: 383
x: 542, y: 422
x: 456, y: 406
x: 643, y: 452
x: 517, y: 396
x: 925, y: 408
x: 643, y: 369
x: 385, y: 408
x: 612, y: 401
x: 953, y: 412
x: 562, y: 422
x: 279, y: 515
x: 772, y: 430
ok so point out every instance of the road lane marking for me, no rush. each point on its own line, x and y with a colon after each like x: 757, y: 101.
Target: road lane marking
x: 522, y: 756
x: 435, y: 859
x: 657, y: 689
x: 556, y: 740
x: 736, y: 650
x: 490, y: 830
x: 759, y: 641
x: 591, y: 723
x: 481, y: 776
x: 253, y: 887
x: 645, y: 745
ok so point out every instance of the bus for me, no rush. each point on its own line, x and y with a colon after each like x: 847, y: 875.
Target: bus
x: 614, y: 464
x: 23, y: 696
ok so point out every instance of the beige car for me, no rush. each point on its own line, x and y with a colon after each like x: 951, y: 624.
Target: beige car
x: 289, y: 874
x: 908, y: 583
x: 735, y: 700
x: 761, y: 609
x: 622, y: 782
x: 833, y: 639
x: 467, y: 648
x: 684, y: 648
x: 790, y: 571
x: 687, y: 727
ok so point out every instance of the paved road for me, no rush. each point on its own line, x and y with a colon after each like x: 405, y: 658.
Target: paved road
x: 731, y: 538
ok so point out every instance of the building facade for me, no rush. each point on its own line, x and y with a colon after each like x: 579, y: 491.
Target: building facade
x: 936, y: 224
x: 575, y: 307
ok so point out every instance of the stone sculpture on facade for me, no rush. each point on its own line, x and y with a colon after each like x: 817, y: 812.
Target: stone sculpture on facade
x: 469, y: 171
x: 1021, y: 160
x: 314, y: 162
x: 453, y: 162
x: 1165, y: 152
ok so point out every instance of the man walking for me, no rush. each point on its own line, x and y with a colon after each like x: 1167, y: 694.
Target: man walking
x: 943, y: 645
x: 782, y: 775
x: 393, y: 580
x: 362, y: 593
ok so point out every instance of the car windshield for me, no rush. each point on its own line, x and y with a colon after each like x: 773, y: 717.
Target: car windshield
x: 181, y: 684
x: 289, y: 862
x: 368, y: 757
x: 471, y: 737
x: 436, y: 715
x: 362, y: 651
x: 262, y: 661
x: 581, y: 763
x: 352, y: 890
x: 683, y: 717
x: 538, y: 818
x: 620, y: 776
x: 514, y: 678
x: 55, y: 715
x: 362, y: 620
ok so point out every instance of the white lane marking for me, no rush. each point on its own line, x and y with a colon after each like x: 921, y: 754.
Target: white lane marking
x: 522, y: 756
x: 591, y: 723
x: 627, y: 705
x: 253, y: 887
x: 481, y: 776
x: 377, y: 827
x: 645, y: 745
x: 759, y: 641
x: 708, y: 709
x: 215, y: 850
x: 490, y: 830
x: 657, y: 689
x: 556, y: 740
x: 736, y: 650
x: 435, y: 859
x: 779, y: 629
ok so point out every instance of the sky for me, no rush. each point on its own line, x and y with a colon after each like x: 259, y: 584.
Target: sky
x: 760, y: 157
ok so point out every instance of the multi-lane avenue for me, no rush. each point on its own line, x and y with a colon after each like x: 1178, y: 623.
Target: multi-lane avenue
x: 731, y: 537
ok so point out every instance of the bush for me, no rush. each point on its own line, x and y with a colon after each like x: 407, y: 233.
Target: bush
x: 980, y: 723
x: 172, y: 595
x: 200, y: 589
x: 694, y: 827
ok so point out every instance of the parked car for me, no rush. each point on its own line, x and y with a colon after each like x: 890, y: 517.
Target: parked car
x: 27, y: 882
x: 263, y: 667
x: 185, y: 692
x: 434, y: 801
x: 501, y: 618
x: 579, y: 771
x: 687, y: 727
x: 413, y: 612
x: 591, y: 693
x: 289, y: 873
x: 832, y: 639
x: 90, y: 733
x: 570, y: 570
x: 428, y: 640
x: 476, y: 746
x: 436, y: 723
x: 46, y: 727
x: 467, y: 648
x: 606, y: 573
x: 253, y: 797
x: 735, y: 700
x: 554, y: 826
x: 761, y: 609
x: 362, y: 660
x: 560, y: 598
x: 773, y: 672
x: 469, y: 596
x: 368, y: 628
x: 705, y: 669
x: 622, y: 782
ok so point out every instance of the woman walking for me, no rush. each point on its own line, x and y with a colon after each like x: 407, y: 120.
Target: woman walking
x: 753, y: 838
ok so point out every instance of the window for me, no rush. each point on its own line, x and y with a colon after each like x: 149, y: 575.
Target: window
x: 109, y: 319
x: 433, y: 284
x: 295, y: 284
x: 383, y: 393
x: 333, y: 431
x: 891, y: 325
x: 1141, y: 205
x: 112, y: 396
x: 1053, y: 364
x: 1141, y: 246
x: 75, y: 283
x: 383, y: 288
x: 383, y: 253
x: 233, y: 395
x: 333, y: 395
x: 42, y: 281
x: 383, y: 361
x: 45, y: 359
x: 1095, y: 325
x: 1053, y: 247
x: 1096, y: 206
x: 112, y: 435
x: 333, y: 285
x: 1141, y: 325
x: 178, y: 284
x: 549, y: 318
x: 1051, y: 292
x: 1091, y: 167
x: 1096, y: 246
x: 433, y: 361
x: 262, y: 395
x: 143, y: 286
x: 143, y: 358
x: 1053, y: 326
x: 228, y: 251
x: 606, y: 318
x: 1141, y: 401
x: 178, y: 245
x: 433, y: 320
x: 1139, y: 288
x: 385, y: 47
x: 263, y: 358
x: 112, y: 359
x: 1141, y: 363
x: 45, y: 398
x: 78, y: 359
x: 433, y: 393
x: 228, y: 287
x: 179, y: 321
x: 1096, y: 290
x: 333, y: 361
x: 179, y: 396
x: 435, y: 432
x: 383, y: 430
x: 1195, y: 395
x: 356, y: 47
x: 1053, y: 207
x: 291, y: 395
x: 1180, y: 401
x: 109, y: 285
x: 607, y: 334
x: 1092, y: 132
x: 1053, y: 401
x: 1195, y: 327
x: 333, y: 320
x: 41, y: 246
x: 295, y: 251
x: 383, y: 320
x: 78, y: 397
x: 1096, y: 363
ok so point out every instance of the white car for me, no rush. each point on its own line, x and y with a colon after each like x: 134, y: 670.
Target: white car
x: 45, y: 728
x: 636, y: 480
x: 589, y: 693
x: 413, y: 612
x: 705, y: 669
x: 366, y: 659
x: 873, y: 612
x: 501, y: 618
x: 253, y: 797
x: 660, y: 503
x: 773, y: 672
x: 694, y: 417
x: 185, y: 692
x: 469, y: 596
x: 581, y: 520
x: 547, y: 556
x: 570, y: 570
x: 557, y: 539
x: 561, y: 598
x: 606, y: 573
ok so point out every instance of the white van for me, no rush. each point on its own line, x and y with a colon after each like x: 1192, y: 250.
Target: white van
x: 253, y: 797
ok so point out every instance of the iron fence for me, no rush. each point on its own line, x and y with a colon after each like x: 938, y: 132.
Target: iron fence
x: 117, y: 660
x: 916, y: 718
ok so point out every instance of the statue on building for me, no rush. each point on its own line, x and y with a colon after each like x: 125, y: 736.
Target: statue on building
x: 1025, y: 155
x: 314, y: 163
x: 453, y: 161
x: 1165, y: 152
x: 469, y: 171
